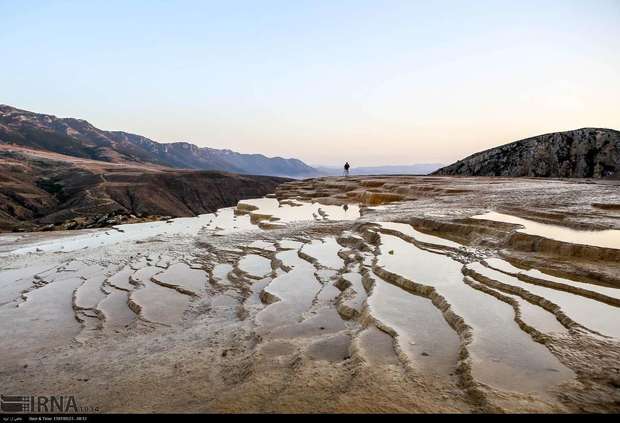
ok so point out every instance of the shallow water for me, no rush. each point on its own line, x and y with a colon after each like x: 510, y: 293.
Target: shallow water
x: 85, y: 239
x: 502, y: 354
x: 45, y: 320
x: 422, y: 332
x: 325, y: 321
x: 220, y: 272
x: 377, y: 347
x: 335, y: 348
x: 120, y: 280
x: 14, y: 281
x: 160, y: 304
x: 181, y: 275
x: 325, y: 251
x: 302, y: 210
x: 115, y: 308
x: 590, y: 313
x: 295, y: 290
x: 355, y: 293
x: 254, y: 265
x: 262, y: 245
x: 224, y: 221
x: 504, y: 266
x: 537, y: 317
x: 309, y: 317
x: 608, y: 238
x: 289, y: 244
x: 408, y: 230
x: 89, y: 294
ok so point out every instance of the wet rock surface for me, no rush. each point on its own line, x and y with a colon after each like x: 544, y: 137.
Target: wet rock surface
x: 369, y: 294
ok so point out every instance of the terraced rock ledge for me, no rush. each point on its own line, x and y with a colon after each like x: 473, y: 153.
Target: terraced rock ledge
x: 360, y: 294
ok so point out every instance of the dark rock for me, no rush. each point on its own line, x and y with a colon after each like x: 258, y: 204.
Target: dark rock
x: 581, y: 153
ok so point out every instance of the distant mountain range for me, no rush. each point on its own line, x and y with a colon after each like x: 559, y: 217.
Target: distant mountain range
x: 415, y: 169
x: 580, y: 153
x: 586, y: 152
x: 78, y: 138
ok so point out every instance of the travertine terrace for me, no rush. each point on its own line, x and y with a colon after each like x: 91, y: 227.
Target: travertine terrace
x: 361, y: 294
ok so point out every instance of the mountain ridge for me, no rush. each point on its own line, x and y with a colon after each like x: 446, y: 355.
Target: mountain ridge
x: 79, y: 138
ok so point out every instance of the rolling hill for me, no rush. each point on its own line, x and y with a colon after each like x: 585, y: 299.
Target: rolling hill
x: 580, y: 153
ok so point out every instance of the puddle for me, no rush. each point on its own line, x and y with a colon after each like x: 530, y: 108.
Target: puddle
x: 115, y: 308
x: 504, y: 266
x: 14, y: 281
x: 608, y: 238
x: 377, y: 347
x: 89, y: 294
x: 87, y: 239
x: 590, y: 313
x: 536, y: 316
x: 325, y: 251
x: 220, y: 272
x: 277, y: 348
x: 254, y: 301
x: 328, y: 293
x: 326, y: 321
x: 157, y: 303
x: 288, y: 244
x: 262, y: 245
x: 405, y: 259
x: 145, y: 274
x: 419, y: 326
x: 326, y: 275
x: 44, y: 321
x: 333, y: 349
x: 300, y: 211
x: 502, y: 354
x: 160, y: 304
x: 354, y: 296
x: 408, y: 230
x: 183, y: 278
x: 225, y: 221
x: 255, y: 266
x: 295, y: 289
x: 121, y: 279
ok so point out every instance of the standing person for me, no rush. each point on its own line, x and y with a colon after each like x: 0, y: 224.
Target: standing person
x: 346, y: 169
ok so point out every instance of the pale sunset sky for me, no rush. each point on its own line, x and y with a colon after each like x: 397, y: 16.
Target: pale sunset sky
x: 373, y: 82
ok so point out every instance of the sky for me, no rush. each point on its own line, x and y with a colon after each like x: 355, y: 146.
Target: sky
x: 372, y: 82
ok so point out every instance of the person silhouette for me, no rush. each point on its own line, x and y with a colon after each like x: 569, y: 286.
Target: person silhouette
x: 346, y: 169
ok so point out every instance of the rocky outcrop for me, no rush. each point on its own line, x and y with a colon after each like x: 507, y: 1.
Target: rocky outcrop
x: 78, y: 138
x: 581, y: 153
